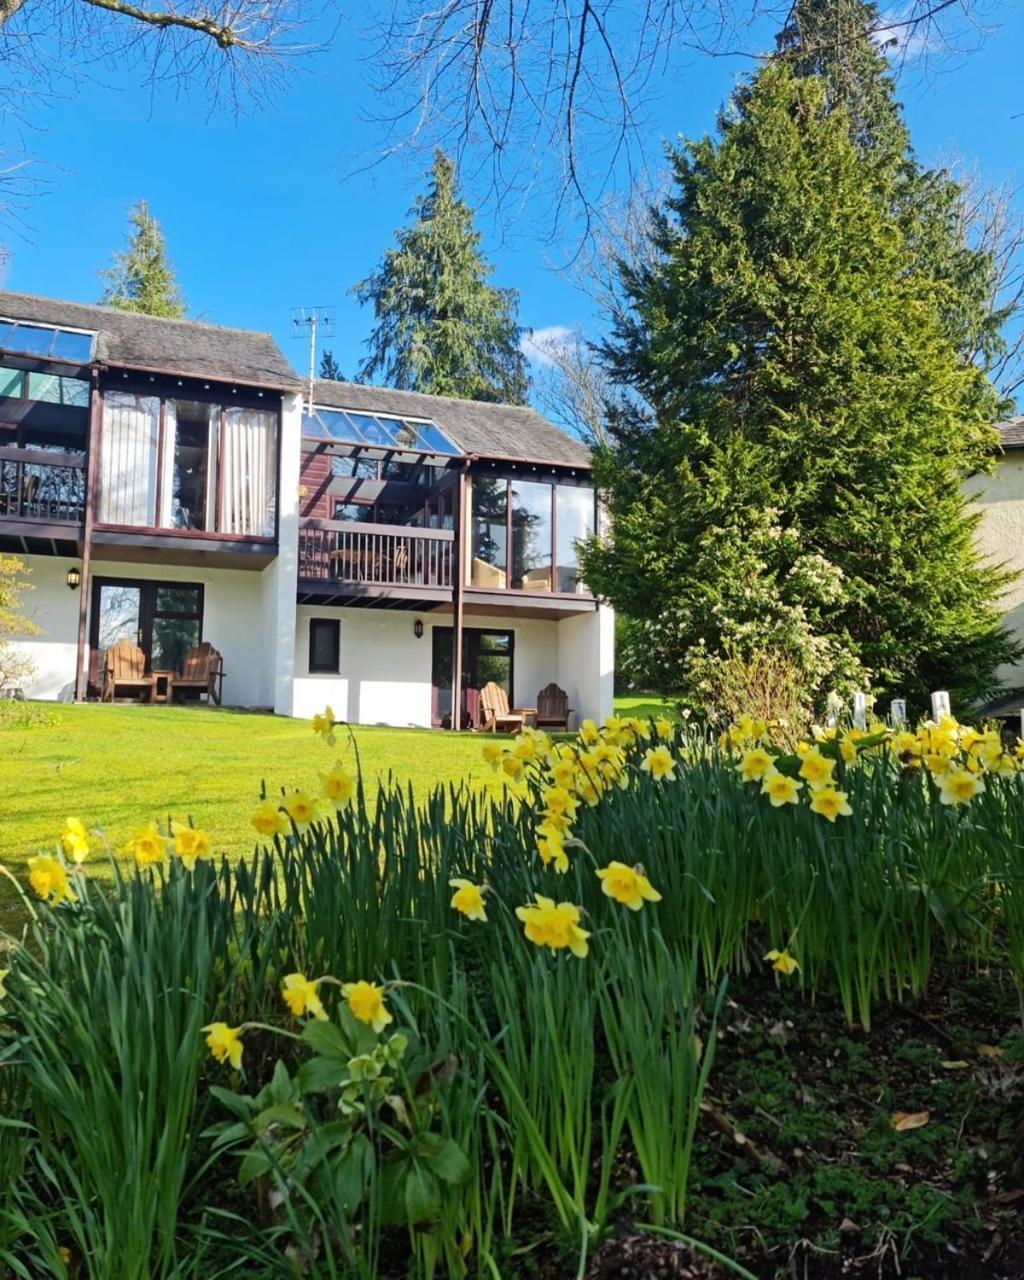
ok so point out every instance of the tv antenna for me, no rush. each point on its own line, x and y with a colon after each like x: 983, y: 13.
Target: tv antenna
x: 317, y: 322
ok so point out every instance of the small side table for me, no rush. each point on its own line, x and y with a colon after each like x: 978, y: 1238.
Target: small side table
x: 529, y: 713
x: 162, y: 685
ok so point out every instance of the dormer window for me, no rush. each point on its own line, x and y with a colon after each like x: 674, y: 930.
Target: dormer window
x: 46, y: 341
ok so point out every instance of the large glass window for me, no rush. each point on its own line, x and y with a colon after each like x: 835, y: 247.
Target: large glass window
x: 44, y: 340
x: 190, y: 437
x: 249, y: 463
x: 531, y: 536
x: 12, y: 383
x: 490, y: 532
x: 574, y: 522
x: 131, y: 433
x: 54, y: 389
x: 177, y: 625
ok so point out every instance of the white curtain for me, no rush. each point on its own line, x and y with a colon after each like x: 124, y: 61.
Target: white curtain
x: 249, y: 476
x: 131, y: 430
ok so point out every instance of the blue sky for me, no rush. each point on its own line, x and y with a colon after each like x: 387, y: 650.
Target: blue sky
x: 264, y: 213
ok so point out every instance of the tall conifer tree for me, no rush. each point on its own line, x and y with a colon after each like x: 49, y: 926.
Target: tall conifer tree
x: 794, y: 481
x: 440, y: 326
x: 142, y: 278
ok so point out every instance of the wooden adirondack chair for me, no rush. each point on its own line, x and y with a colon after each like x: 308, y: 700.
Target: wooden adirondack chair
x: 553, y: 710
x: 124, y: 668
x: 495, y: 716
x: 202, y: 671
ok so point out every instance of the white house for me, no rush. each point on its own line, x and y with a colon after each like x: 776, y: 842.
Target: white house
x: 385, y: 552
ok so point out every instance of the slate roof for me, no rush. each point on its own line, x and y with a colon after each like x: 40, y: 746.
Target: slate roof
x: 477, y: 427
x: 188, y: 347
x: 1012, y: 431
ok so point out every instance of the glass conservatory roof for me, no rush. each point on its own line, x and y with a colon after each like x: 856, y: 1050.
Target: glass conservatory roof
x: 45, y: 340
x: 377, y: 430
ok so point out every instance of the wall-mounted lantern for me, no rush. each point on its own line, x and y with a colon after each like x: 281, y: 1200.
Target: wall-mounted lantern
x: 417, y: 628
x: 74, y: 577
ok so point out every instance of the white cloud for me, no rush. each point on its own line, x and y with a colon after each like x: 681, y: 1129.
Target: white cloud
x: 536, y: 344
x: 902, y: 40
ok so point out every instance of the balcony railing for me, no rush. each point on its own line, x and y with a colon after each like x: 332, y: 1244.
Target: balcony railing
x: 34, y: 487
x: 384, y: 555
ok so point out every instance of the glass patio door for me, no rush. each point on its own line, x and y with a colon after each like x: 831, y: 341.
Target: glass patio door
x: 487, y: 655
x: 163, y: 618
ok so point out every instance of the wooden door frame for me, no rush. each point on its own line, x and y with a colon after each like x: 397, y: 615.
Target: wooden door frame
x: 470, y: 656
x: 148, y: 613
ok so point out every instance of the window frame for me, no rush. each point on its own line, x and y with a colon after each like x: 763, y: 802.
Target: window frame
x: 316, y: 668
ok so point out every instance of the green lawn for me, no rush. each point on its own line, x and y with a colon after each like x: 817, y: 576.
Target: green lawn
x: 120, y: 766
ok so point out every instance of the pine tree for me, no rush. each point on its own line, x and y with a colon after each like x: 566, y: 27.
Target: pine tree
x: 795, y: 482
x: 142, y: 278
x: 836, y: 41
x: 330, y: 370
x: 440, y: 326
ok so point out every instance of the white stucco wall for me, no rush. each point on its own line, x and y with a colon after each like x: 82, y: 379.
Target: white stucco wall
x: 586, y: 663
x: 53, y: 607
x: 385, y: 675
x: 1000, y: 499
x: 280, y: 577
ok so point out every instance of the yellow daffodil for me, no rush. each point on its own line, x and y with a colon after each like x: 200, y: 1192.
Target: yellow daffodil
x: 905, y: 743
x: 49, y: 878
x: 468, y: 899
x: 589, y: 790
x: 756, y: 762
x: 848, y: 746
x: 780, y: 788
x: 589, y: 732
x: 225, y: 1043
x: 563, y: 774
x: 830, y: 803
x: 338, y: 786
x: 817, y: 769
x: 660, y: 763
x: 526, y: 747
x: 559, y: 802
x: 512, y: 765
x: 366, y: 1002
x: 323, y: 724
x: 663, y: 728
x: 959, y: 786
x: 74, y: 840
x: 148, y: 846
x: 627, y: 885
x: 782, y: 962
x: 301, y: 996
x: 557, y: 927
x: 301, y: 808
x: 190, y: 845
x: 551, y: 847
x: 492, y: 753
x: 3, y: 976
x: 269, y: 820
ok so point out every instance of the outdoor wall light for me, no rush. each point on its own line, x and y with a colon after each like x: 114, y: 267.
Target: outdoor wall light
x: 74, y: 577
x: 417, y: 629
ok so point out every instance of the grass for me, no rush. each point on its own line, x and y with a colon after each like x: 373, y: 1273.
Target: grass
x: 122, y: 766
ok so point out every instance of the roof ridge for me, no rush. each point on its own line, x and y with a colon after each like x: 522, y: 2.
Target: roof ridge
x: 121, y: 311
x: 430, y: 395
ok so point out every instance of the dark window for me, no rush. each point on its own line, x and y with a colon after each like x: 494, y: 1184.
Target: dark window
x: 324, y: 645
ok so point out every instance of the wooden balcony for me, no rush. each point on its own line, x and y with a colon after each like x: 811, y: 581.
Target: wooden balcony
x: 352, y: 560
x: 41, y: 492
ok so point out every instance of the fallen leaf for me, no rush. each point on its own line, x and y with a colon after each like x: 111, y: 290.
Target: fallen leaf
x: 901, y: 1121
x: 990, y: 1051
x: 1008, y: 1197
x: 848, y: 1227
x: 959, y: 1065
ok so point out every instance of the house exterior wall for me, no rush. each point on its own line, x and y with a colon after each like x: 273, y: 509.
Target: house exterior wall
x: 53, y: 607
x: 385, y: 672
x: 1000, y: 535
x: 586, y: 662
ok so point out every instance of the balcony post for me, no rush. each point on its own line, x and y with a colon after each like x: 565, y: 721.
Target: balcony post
x: 92, y: 471
x: 460, y: 524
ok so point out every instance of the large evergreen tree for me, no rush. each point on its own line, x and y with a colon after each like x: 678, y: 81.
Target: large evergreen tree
x: 794, y: 482
x: 142, y: 278
x: 440, y: 326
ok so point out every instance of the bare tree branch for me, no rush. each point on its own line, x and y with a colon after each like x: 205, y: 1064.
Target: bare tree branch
x: 530, y: 95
